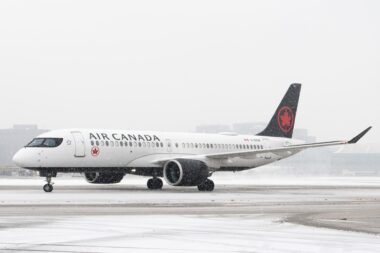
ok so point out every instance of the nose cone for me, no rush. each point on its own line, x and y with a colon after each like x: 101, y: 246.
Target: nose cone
x: 19, y: 158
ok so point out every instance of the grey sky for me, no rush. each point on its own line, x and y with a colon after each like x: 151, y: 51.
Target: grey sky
x: 171, y: 65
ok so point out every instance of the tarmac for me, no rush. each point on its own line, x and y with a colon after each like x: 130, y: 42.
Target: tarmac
x: 349, y: 208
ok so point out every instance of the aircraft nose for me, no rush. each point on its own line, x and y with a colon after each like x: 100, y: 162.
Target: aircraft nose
x: 19, y: 158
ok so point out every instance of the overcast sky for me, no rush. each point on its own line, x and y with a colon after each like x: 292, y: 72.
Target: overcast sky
x: 172, y: 65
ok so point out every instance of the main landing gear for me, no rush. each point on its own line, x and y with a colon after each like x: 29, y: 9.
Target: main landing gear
x: 49, y: 186
x: 154, y: 183
x: 206, y: 186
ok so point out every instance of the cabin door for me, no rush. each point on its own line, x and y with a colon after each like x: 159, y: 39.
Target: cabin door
x: 80, y: 147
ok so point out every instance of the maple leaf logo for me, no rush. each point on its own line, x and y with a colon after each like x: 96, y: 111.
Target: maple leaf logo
x: 95, y: 151
x: 285, y: 119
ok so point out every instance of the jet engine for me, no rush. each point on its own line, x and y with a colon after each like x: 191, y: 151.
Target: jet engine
x: 184, y: 172
x: 103, y: 178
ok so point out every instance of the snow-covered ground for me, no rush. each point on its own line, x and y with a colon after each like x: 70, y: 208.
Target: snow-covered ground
x: 221, y: 178
x: 185, y: 220
x: 133, y: 191
x: 175, y: 233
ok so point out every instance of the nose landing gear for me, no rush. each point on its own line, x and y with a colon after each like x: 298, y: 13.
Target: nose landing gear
x: 48, y: 174
x: 48, y: 187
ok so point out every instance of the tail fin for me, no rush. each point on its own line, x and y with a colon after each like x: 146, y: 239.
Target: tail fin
x: 283, y: 120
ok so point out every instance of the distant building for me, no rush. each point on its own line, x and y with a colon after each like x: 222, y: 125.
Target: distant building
x: 212, y: 129
x: 359, y: 164
x: 15, y: 138
x: 250, y: 128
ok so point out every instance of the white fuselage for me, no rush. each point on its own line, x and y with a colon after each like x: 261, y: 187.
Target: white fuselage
x: 83, y: 148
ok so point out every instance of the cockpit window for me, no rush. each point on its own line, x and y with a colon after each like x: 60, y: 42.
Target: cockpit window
x: 45, y: 143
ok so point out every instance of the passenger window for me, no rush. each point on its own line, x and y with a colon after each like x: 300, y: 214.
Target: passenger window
x: 176, y: 145
x: 121, y: 144
x: 158, y: 145
x: 92, y: 143
x: 102, y: 143
x: 97, y: 143
x: 192, y: 145
x: 148, y: 144
x: 107, y: 143
x: 196, y: 145
x: 140, y: 144
x: 116, y: 144
x: 112, y: 144
x: 144, y: 144
x: 135, y: 144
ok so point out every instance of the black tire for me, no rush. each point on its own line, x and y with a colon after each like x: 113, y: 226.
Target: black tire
x: 150, y: 184
x: 158, y: 183
x: 154, y: 184
x: 201, y: 187
x: 207, y: 185
x: 48, y: 188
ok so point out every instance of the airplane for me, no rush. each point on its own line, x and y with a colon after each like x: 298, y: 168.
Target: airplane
x: 182, y: 159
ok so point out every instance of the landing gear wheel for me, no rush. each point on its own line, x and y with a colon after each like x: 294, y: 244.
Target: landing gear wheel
x: 207, y: 185
x: 154, y: 184
x: 48, y: 188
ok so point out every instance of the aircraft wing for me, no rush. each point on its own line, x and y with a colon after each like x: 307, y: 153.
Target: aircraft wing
x: 294, y: 148
x: 277, y: 151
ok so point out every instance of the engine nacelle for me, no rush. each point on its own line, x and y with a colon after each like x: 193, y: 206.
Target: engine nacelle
x: 103, y: 178
x: 183, y: 172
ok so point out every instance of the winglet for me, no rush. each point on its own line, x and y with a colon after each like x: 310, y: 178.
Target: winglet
x: 359, y: 136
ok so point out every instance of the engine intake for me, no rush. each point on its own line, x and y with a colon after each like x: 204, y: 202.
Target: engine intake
x: 183, y: 172
x: 103, y: 178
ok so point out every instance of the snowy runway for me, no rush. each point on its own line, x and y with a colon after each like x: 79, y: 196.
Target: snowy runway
x: 333, y: 216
